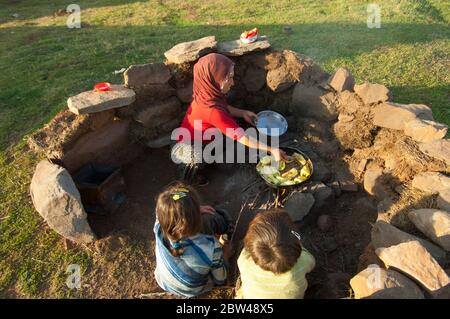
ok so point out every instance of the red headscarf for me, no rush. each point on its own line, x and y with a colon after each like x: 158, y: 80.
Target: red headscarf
x: 209, y: 73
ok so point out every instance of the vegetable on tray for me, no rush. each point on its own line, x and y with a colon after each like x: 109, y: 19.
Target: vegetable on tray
x: 282, y: 173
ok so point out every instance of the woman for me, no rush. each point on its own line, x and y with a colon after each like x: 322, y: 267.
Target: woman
x: 213, y: 79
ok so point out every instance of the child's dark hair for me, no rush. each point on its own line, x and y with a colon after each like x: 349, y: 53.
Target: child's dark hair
x: 178, y: 212
x: 271, y: 243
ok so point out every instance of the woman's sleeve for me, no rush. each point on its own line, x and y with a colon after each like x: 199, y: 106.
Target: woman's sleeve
x: 226, y: 124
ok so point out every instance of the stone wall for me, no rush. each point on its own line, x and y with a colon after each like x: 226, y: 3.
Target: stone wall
x: 389, y: 147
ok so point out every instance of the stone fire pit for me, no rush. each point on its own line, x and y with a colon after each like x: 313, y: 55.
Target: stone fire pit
x: 381, y: 168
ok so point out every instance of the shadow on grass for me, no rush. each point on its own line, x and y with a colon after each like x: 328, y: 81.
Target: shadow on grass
x: 57, y: 62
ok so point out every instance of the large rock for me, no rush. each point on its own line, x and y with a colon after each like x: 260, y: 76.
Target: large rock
x: 437, y: 149
x: 322, y: 193
x: 374, y: 279
x: 254, y: 79
x: 144, y: 74
x: 385, y: 235
x: 431, y: 182
x: 342, y: 80
x: 414, y: 260
x: 375, y: 183
x: 298, y: 205
x: 349, y: 102
x: 191, y: 51
x: 425, y: 131
x: 155, y: 115
x: 395, y: 116
x: 237, y: 48
x: 105, y: 146
x: 280, y: 79
x: 372, y: 93
x: 93, y: 101
x: 434, y: 223
x: 443, y: 200
x: 185, y: 93
x: 311, y: 101
x: 58, y: 201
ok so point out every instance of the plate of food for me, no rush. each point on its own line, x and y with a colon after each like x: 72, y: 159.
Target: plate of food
x: 297, y: 169
x: 271, y: 123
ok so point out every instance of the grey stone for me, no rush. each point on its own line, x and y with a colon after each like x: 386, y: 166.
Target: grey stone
x: 443, y: 200
x: 191, y: 51
x: 385, y: 235
x: 431, y: 182
x: 414, y: 260
x: 439, y: 150
x: 372, y: 93
x: 58, y: 201
x: 434, y: 223
x: 313, y: 102
x: 298, y: 205
x: 425, y: 131
x: 144, y: 74
x: 395, y: 116
x: 322, y: 194
x: 237, y: 48
x: 93, y: 101
x: 342, y: 80
x: 374, y: 279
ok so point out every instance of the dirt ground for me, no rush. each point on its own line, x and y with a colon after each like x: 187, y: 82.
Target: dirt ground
x: 129, y: 230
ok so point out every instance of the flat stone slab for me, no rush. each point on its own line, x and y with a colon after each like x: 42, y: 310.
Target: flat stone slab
x: 431, y: 182
x: 58, y: 201
x: 191, y: 51
x: 372, y: 93
x: 425, y: 131
x: 237, y: 48
x: 434, y: 223
x: 342, y: 80
x: 144, y: 74
x: 395, y: 116
x: 439, y: 150
x: 386, y: 235
x: 93, y: 101
x: 298, y: 205
x: 374, y: 279
x: 414, y: 260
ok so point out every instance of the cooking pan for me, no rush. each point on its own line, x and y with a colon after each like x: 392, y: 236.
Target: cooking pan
x: 289, y: 151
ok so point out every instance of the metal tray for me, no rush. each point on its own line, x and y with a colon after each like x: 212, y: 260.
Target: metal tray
x: 271, y: 123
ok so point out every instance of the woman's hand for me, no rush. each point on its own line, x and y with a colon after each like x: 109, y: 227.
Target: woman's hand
x: 278, y: 154
x: 249, y: 117
x: 206, y: 209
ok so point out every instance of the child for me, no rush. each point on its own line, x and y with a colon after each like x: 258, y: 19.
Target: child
x: 273, y: 263
x: 189, y: 258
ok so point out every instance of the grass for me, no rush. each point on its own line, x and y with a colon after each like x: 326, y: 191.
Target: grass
x: 42, y: 62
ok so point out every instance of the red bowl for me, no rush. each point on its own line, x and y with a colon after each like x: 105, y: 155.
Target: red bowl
x: 102, y: 87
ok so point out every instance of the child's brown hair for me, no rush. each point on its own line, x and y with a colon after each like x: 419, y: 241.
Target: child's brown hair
x: 271, y: 243
x: 178, y: 212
